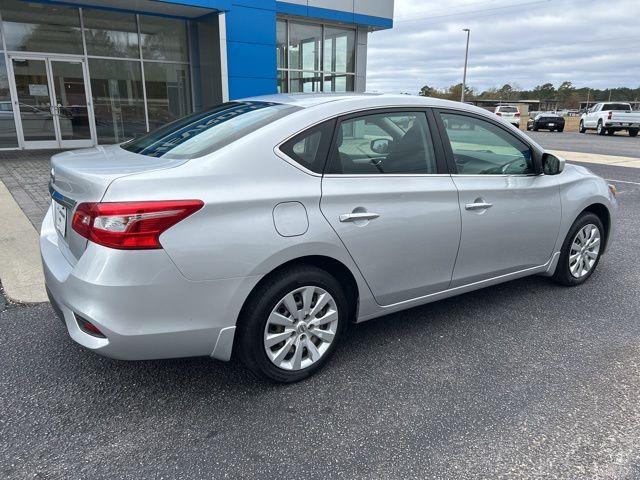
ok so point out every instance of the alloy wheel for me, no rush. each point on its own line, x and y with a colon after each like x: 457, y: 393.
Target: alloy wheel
x: 584, y: 250
x: 301, y: 328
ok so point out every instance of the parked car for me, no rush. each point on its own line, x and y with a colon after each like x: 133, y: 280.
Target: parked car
x: 510, y: 113
x: 546, y: 121
x: 610, y: 117
x: 264, y: 227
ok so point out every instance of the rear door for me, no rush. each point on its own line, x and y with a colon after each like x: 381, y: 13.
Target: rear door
x: 510, y: 214
x: 388, y: 196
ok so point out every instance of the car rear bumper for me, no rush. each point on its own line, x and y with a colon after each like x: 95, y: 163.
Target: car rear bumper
x: 615, y: 124
x: 141, y: 302
x: 550, y: 125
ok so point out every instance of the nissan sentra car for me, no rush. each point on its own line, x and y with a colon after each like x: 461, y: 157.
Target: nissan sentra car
x: 261, y: 228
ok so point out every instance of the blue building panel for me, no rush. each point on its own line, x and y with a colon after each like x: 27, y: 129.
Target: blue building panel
x: 242, y: 87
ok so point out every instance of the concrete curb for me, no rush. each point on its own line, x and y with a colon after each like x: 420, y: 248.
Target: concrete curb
x: 613, y: 160
x: 20, y: 266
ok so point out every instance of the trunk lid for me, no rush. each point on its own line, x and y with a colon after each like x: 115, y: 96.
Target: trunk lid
x: 83, y: 176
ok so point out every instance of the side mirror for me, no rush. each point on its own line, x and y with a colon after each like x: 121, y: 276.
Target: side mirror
x: 381, y: 145
x: 552, y: 165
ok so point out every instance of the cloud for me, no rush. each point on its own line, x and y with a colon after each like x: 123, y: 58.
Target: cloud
x: 529, y: 42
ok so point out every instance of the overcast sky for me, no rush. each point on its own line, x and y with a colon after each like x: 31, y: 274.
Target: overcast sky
x: 524, y: 42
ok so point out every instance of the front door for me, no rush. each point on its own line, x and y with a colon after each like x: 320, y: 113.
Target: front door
x: 510, y: 215
x: 386, y: 196
x: 52, y: 102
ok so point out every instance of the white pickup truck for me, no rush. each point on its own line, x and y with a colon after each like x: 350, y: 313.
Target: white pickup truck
x: 610, y: 117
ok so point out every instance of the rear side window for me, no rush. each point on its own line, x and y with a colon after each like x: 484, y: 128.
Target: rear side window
x: 208, y: 131
x: 310, y: 147
x: 507, y: 109
x: 383, y: 143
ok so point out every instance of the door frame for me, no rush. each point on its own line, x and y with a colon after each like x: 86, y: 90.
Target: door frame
x: 58, y: 142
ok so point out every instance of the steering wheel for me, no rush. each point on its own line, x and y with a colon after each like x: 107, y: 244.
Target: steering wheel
x: 520, y: 162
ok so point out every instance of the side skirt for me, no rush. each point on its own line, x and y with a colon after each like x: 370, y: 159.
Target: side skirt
x: 546, y: 270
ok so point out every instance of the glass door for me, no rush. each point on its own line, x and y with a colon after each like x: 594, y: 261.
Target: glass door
x: 70, y: 103
x: 52, y: 100
x: 34, y: 103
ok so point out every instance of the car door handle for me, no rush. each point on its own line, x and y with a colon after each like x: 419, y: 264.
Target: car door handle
x: 353, y: 217
x: 478, y: 206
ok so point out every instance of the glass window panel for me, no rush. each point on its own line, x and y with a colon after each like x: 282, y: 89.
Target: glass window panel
x: 396, y: 143
x: 480, y: 147
x: 8, y: 137
x: 38, y: 27
x: 339, y: 50
x: 305, y: 81
x: 118, y: 103
x: 168, y: 92
x: 310, y: 148
x: 163, y: 38
x: 283, y: 85
x: 339, y: 83
x: 111, y: 34
x: 281, y: 43
x: 304, y: 46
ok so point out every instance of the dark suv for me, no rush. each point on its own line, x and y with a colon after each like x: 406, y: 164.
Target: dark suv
x: 546, y: 121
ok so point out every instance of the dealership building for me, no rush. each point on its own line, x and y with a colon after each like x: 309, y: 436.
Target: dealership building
x: 78, y: 73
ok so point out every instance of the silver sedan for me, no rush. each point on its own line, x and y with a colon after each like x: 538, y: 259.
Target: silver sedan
x: 264, y: 227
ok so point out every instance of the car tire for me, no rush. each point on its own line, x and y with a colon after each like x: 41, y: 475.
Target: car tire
x: 610, y: 132
x: 560, y: 130
x: 568, y: 273
x: 633, y: 132
x: 269, y: 300
x: 535, y: 128
x: 600, y: 130
x: 581, y: 128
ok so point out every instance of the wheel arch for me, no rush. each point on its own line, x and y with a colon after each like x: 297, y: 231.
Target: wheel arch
x: 331, y: 265
x: 603, y: 213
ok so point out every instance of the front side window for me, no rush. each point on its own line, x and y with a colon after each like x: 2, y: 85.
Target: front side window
x: 482, y: 148
x: 208, y: 131
x: 384, y: 143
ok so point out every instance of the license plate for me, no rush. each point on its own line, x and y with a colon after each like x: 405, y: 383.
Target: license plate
x: 552, y: 124
x: 60, y: 218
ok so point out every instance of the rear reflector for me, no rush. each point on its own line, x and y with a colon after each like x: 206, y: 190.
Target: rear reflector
x: 131, y: 225
x: 87, y: 327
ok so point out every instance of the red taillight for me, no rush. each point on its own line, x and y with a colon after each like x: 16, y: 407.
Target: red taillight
x: 517, y: 114
x: 131, y: 225
x: 498, y: 114
x: 609, y: 115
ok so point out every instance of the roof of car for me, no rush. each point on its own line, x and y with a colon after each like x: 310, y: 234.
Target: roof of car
x: 307, y: 100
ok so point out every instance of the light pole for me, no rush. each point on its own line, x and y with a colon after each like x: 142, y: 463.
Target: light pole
x: 466, y: 57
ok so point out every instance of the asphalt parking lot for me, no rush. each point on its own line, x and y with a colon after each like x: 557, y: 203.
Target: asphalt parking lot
x: 520, y: 380
x: 620, y: 144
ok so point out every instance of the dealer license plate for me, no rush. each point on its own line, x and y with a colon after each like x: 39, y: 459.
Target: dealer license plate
x: 60, y: 218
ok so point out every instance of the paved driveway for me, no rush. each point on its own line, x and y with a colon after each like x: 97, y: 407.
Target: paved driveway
x: 620, y: 144
x: 519, y: 380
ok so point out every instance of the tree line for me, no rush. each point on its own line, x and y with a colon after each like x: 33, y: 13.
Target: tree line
x: 566, y: 94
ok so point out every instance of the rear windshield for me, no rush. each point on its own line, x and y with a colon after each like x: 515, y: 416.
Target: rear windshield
x: 205, y: 132
x: 508, y: 109
x: 616, y: 106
